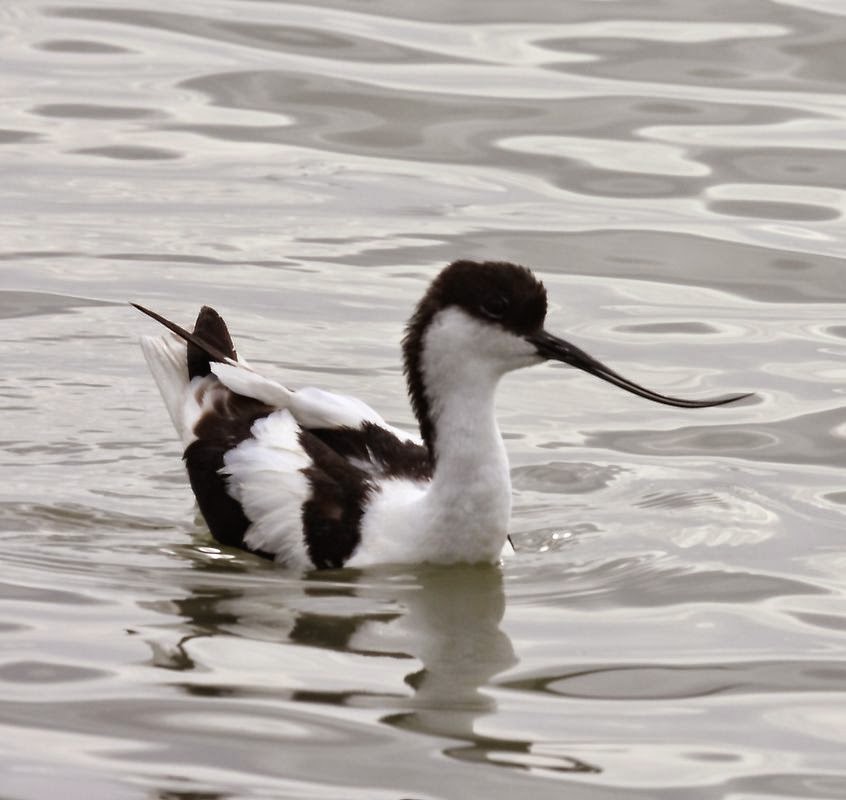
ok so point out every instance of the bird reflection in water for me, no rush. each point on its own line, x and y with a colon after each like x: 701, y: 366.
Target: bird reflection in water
x: 446, y: 621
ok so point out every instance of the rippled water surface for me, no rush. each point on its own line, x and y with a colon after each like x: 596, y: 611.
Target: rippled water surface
x: 673, y: 624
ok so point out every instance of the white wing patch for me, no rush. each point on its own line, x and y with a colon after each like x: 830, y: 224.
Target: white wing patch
x: 311, y: 407
x: 247, y: 383
x: 264, y: 476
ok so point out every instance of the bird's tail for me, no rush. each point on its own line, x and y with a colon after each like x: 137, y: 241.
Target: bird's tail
x: 168, y: 362
x: 174, y: 360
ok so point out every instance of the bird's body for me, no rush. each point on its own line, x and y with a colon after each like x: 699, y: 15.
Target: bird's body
x: 315, y: 479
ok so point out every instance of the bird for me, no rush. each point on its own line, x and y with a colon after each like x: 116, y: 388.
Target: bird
x: 317, y: 480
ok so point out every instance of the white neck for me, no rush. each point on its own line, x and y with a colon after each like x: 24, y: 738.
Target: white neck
x: 470, y: 495
x: 469, y: 501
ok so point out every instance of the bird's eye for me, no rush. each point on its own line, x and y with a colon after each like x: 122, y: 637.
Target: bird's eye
x: 494, y: 307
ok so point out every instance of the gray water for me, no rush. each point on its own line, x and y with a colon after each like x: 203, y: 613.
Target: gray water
x: 673, y: 624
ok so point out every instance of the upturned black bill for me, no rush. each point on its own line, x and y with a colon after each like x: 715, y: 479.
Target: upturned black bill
x: 552, y: 347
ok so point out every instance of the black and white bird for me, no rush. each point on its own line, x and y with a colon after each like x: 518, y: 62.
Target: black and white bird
x: 313, y: 479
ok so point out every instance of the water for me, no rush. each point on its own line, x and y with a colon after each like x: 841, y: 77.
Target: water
x: 673, y: 625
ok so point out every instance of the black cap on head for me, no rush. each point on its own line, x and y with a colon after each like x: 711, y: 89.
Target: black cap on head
x: 492, y: 291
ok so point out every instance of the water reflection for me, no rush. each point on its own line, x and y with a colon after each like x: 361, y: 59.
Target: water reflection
x: 445, y: 621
